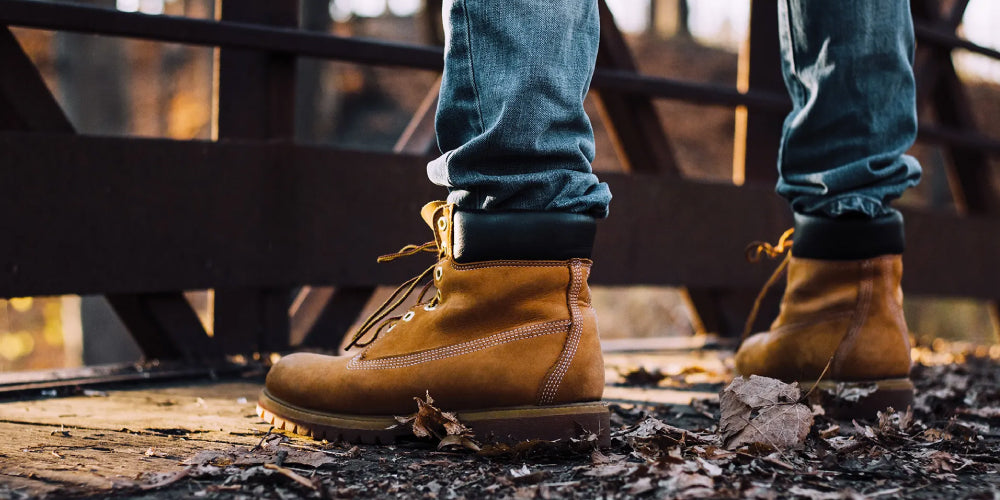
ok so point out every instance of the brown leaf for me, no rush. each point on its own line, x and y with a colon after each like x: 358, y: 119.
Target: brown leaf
x: 933, y: 435
x: 711, y: 469
x: 816, y: 494
x: 765, y: 411
x: 167, y: 479
x: 713, y: 453
x: 782, y: 426
x: 610, y: 470
x: 430, y: 421
x: 292, y: 475
x: 987, y: 412
x: 851, y: 393
x: 309, y: 458
x: 653, y: 439
x: 217, y: 458
x: 691, y: 485
x: 526, y: 476
x: 459, y: 441
x: 830, y: 431
x: 642, y: 377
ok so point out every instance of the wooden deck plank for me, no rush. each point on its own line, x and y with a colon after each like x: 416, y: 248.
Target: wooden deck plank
x: 207, y: 411
x: 94, y: 444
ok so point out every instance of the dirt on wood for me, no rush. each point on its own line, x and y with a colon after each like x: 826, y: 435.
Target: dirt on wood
x: 946, y: 446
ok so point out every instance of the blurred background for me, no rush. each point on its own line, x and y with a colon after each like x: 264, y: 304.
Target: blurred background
x: 114, y: 86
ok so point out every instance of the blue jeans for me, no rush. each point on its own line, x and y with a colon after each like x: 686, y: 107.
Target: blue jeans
x: 511, y: 123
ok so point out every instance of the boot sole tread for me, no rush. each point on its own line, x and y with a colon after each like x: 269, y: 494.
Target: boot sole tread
x: 507, y: 425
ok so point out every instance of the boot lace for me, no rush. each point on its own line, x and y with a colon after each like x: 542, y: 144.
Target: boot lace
x: 380, y: 320
x: 754, y: 252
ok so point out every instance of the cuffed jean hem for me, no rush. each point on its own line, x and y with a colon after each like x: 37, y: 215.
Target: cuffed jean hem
x: 537, y: 189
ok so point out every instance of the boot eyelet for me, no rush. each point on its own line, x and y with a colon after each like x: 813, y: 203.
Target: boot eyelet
x: 408, y: 316
x: 438, y: 273
x: 430, y: 307
x: 390, y: 327
x: 442, y: 223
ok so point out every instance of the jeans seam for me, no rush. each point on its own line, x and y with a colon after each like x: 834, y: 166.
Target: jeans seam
x: 472, y: 70
x: 796, y: 92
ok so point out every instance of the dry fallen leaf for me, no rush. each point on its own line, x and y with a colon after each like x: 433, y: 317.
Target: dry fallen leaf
x: 599, y: 458
x: 290, y: 474
x: 162, y: 480
x: 641, y: 485
x: 430, y: 421
x: 609, y: 470
x: 762, y: 410
x: 851, y: 393
x: 816, y: 494
x: 642, y: 377
x: 988, y: 412
x: 153, y: 452
x: 689, y: 485
x: 653, y: 439
x: 458, y: 441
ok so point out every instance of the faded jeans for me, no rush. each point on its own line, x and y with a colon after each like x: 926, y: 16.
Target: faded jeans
x: 514, y: 134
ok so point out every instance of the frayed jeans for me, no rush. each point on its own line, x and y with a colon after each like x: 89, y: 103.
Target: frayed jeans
x: 514, y: 135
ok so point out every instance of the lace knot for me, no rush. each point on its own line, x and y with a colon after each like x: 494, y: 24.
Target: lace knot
x: 380, y: 319
x: 757, y: 249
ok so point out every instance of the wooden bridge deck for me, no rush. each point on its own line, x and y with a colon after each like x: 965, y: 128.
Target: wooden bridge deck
x: 101, y: 441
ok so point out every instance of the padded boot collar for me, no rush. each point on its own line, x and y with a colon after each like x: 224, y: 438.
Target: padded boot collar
x: 480, y: 236
x: 847, y: 239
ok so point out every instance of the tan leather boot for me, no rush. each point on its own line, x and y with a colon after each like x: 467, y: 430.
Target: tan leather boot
x: 511, y: 345
x: 841, y: 319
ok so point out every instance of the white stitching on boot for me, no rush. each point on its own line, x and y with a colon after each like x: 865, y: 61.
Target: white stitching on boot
x: 572, y: 337
x: 525, y: 332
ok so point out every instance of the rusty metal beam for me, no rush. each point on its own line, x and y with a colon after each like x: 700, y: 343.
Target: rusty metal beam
x: 163, y: 324
x: 73, y: 381
x: 932, y: 35
x: 256, y: 100
x: 229, y: 33
x: 84, y: 19
x: 152, y: 215
x: 25, y: 101
x: 283, y: 40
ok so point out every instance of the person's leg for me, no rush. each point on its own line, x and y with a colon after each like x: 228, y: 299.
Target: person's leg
x: 848, y: 68
x: 509, y: 337
x: 510, y: 119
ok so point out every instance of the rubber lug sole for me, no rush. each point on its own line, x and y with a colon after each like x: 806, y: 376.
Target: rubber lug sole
x: 889, y: 393
x: 507, y: 425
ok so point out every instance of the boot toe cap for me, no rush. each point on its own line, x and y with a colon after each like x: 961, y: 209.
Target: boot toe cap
x: 295, y: 378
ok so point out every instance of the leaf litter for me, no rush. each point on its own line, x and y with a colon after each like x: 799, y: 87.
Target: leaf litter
x: 762, y: 411
x: 755, y: 441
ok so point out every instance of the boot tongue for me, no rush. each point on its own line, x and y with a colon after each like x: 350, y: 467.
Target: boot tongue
x: 437, y: 215
x: 428, y: 212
